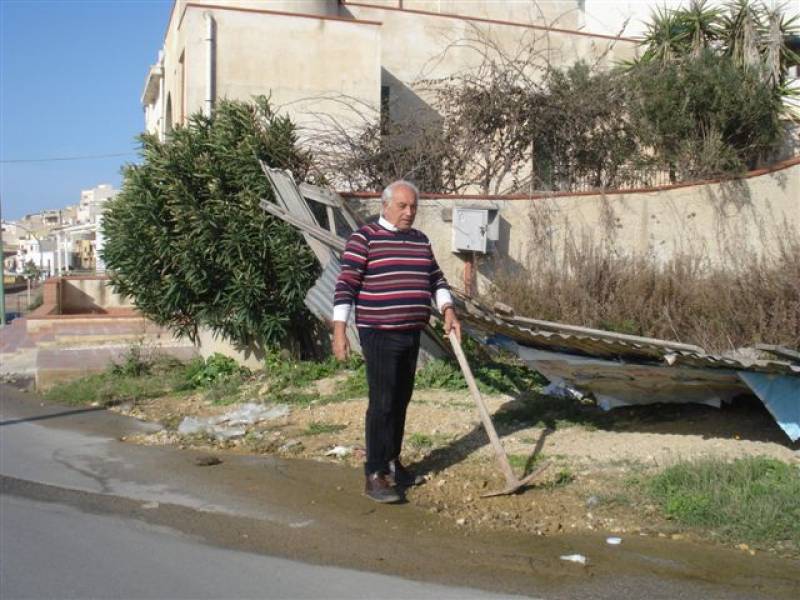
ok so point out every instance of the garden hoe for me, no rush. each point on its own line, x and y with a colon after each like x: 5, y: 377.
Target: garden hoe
x: 513, y: 484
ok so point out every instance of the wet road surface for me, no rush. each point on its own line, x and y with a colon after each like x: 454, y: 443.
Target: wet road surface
x: 68, y: 465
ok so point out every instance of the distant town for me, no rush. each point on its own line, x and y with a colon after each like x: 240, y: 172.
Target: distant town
x: 57, y: 241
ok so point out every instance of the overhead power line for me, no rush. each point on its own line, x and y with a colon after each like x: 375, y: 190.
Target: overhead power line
x: 60, y: 158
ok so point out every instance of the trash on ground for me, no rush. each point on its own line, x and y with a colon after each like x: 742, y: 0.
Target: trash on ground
x: 233, y: 423
x: 614, y: 541
x: 339, y: 451
x: 293, y: 445
x: 560, y: 389
x: 576, y: 558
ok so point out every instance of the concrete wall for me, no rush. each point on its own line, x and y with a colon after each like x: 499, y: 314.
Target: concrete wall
x: 90, y: 295
x: 209, y: 343
x: 716, y: 221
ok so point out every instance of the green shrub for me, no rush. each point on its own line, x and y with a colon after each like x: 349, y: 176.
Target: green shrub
x: 187, y: 240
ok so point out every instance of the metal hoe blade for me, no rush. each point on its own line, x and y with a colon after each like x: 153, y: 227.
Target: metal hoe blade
x: 512, y: 483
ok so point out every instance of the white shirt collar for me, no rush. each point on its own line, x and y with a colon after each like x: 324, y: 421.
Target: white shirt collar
x: 386, y: 225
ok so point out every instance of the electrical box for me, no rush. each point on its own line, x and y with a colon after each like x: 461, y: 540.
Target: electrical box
x: 474, y: 228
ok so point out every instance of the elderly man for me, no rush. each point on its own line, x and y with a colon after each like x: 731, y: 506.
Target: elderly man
x: 390, y: 273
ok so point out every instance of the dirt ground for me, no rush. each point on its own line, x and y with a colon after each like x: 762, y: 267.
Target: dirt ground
x: 590, y: 456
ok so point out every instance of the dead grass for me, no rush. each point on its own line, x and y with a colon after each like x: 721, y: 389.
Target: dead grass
x: 752, y: 299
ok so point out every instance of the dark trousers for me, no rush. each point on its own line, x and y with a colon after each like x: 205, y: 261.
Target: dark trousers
x: 391, y: 359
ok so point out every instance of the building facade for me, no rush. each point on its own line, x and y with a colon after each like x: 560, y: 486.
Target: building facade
x: 333, y: 63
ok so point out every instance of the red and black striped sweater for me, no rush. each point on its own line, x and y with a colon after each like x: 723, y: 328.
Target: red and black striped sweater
x: 391, y: 276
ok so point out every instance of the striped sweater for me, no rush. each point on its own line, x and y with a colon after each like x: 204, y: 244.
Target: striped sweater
x: 391, y: 276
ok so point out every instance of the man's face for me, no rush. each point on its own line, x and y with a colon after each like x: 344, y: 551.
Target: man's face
x: 402, y: 210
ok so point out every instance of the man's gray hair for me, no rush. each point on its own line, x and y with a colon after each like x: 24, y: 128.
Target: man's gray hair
x: 386, y: 196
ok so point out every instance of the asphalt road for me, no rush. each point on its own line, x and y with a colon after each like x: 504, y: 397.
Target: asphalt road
x: 84, y: 514
x: 50, y: 550
x: 66, y: 529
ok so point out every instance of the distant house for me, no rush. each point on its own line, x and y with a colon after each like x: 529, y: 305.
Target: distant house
x: 61, y: 240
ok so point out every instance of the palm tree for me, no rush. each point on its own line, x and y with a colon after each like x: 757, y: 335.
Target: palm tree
x: 700, y: 26
x: 664, y: 39
x: 741, y: 30
x: 777, y: 55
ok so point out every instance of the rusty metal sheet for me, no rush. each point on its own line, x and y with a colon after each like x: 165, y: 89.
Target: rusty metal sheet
x: 614, y: 349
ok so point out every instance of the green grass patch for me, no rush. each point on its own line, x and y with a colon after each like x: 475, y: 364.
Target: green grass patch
x: 564, y: 476
x: 419, y: 441
x: 320, y: 427
x: 108, y: 388
x: 139, y: 374
x: 755, y: 500
x: 284, y: 372
x: 355, y: 385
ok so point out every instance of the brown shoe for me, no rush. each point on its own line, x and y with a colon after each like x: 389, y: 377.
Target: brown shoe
x: 379, y: 489
x: 401, y: 476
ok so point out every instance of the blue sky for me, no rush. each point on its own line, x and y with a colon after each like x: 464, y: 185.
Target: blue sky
x: 71, y: 75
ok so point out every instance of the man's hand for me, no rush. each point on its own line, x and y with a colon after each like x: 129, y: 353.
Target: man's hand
x: 451, y: 322
x: 341, y: 347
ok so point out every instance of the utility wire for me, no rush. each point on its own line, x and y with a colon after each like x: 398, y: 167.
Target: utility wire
x: 59, y: 158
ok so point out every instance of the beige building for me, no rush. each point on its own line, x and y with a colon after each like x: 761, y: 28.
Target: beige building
x: 333, y: 63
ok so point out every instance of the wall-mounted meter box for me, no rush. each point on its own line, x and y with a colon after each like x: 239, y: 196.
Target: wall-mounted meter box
x: 474, y: 228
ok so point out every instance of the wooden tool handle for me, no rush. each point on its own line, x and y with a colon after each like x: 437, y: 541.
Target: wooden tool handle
x: 502, y: 459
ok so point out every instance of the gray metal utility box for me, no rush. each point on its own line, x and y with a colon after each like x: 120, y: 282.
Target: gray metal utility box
x: 474, y: 229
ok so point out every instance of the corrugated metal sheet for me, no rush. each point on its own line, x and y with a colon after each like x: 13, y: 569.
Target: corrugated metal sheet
x: 620, y: 372
x: 482, y: 318
x: 319, y: 301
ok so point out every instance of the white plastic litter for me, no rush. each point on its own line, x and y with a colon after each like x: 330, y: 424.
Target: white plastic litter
x: 192, y: 425
x: 232, y: 424
x: 576, y: 558
x: 339, y: 451
x: 614, y: 541
x: 228, y: 433
x: 558, y: 388
x: 251, y: 413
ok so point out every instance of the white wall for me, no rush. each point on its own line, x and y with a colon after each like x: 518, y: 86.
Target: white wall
x: 715, y: 221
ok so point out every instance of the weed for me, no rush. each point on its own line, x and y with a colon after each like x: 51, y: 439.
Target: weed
x: 419, y: 441
x: 747, y: 298
x: 284, y: 372
x: 750, y: 499
x: 215, y: 369
x: 136, y: 361
x: 355, y: 386
x: 107, y: 389
x: 440, y: 374
x: 319, y: 428
x: 563, y: 477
